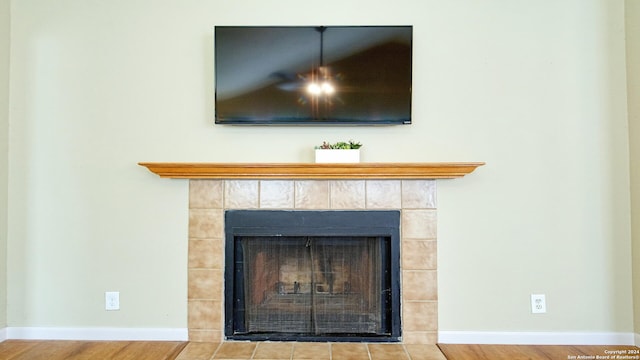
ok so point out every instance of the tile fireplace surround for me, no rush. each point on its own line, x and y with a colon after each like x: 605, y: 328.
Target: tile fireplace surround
x: 211, y: 193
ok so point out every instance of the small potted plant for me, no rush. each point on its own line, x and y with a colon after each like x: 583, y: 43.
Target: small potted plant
x: 340, y: 152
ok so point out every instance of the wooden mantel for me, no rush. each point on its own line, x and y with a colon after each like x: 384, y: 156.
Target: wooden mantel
x: 312, y: 171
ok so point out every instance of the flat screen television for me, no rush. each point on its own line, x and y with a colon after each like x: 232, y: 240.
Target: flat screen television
x: 313, y: 75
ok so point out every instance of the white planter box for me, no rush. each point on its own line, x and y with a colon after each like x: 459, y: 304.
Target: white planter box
x: 337, y: 156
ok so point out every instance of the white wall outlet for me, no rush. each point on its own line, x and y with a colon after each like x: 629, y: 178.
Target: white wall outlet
x: 112, y: 300
x: 538, y: 304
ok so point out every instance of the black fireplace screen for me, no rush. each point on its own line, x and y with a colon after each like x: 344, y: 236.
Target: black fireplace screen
x: 313, y: 285
x: 332, y: 287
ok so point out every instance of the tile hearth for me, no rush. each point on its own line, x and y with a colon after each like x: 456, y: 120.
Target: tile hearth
x: 317, y: 351
x: 416, y: 199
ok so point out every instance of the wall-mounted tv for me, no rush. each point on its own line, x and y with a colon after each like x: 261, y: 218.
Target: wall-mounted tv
x: 313, y: 75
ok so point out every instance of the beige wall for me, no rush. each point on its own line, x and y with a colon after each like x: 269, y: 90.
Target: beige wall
x: 4, y: 153
x: 633, y: 89
x: 535, y: 89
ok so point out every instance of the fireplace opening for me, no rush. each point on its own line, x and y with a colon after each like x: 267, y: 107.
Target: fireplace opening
x: 312, y: 275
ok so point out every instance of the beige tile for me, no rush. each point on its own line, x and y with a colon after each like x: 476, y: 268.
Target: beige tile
x: 316, y: 351
x: 420, y: 337
x: 419, y: 285
x: 241, y: 194
x: 198, y: 351
x: 205, y: 194
x: 349, y: 351
x: 420, y: 316
x: 383, y: 194
x: 419, y: 224
x: 347, y: 194
x: 204, y: 315
x: 211, y: 336
x: 419, y: 254
x: 419, y: 194
x: 235, y: 350
x: 205, y: 284
x: 276, y: 194
x: 312, y: 194
x: 205, y: 224
x: 274, y: 350
x: 424, y: 352
x: 206, y: 254
x: 387, y: 352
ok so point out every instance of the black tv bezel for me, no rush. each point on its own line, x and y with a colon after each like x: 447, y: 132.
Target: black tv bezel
x: 314, y: 122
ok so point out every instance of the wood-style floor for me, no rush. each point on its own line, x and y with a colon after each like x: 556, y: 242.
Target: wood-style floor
x: 163, y: 350
x: 98, y: 350
x: 538, y: 352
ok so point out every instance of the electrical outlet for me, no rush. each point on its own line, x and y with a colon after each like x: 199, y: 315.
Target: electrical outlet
x: 112, y: 300
x: 538, y: 304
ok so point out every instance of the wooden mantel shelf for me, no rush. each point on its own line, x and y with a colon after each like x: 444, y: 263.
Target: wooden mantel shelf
x: 312, y: 171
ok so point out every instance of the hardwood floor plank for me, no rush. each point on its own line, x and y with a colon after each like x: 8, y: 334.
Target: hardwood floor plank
x: 150, y: 351
x: 49, y: 350
x: 530, y: 352
x: 90, y: 350
x: 466, y: 352
x: 98, y: 349
x: 10, y: 349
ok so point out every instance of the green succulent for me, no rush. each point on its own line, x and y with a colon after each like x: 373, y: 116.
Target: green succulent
x: 340, y: 145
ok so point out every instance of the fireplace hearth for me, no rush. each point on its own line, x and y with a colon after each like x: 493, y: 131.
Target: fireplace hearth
x: 312, y: 275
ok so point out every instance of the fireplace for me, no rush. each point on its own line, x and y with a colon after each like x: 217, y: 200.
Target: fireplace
x: 407, y: 187
x: 414, y: 200
x: 312, y: 275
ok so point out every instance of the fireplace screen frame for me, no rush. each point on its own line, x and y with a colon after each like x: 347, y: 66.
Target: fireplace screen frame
x: 381, y: 224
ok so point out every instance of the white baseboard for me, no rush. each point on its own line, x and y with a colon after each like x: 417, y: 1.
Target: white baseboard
x: 537, y: 338
x: 96, y: 334
x: 3, y: 334
x: 636, y: 338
